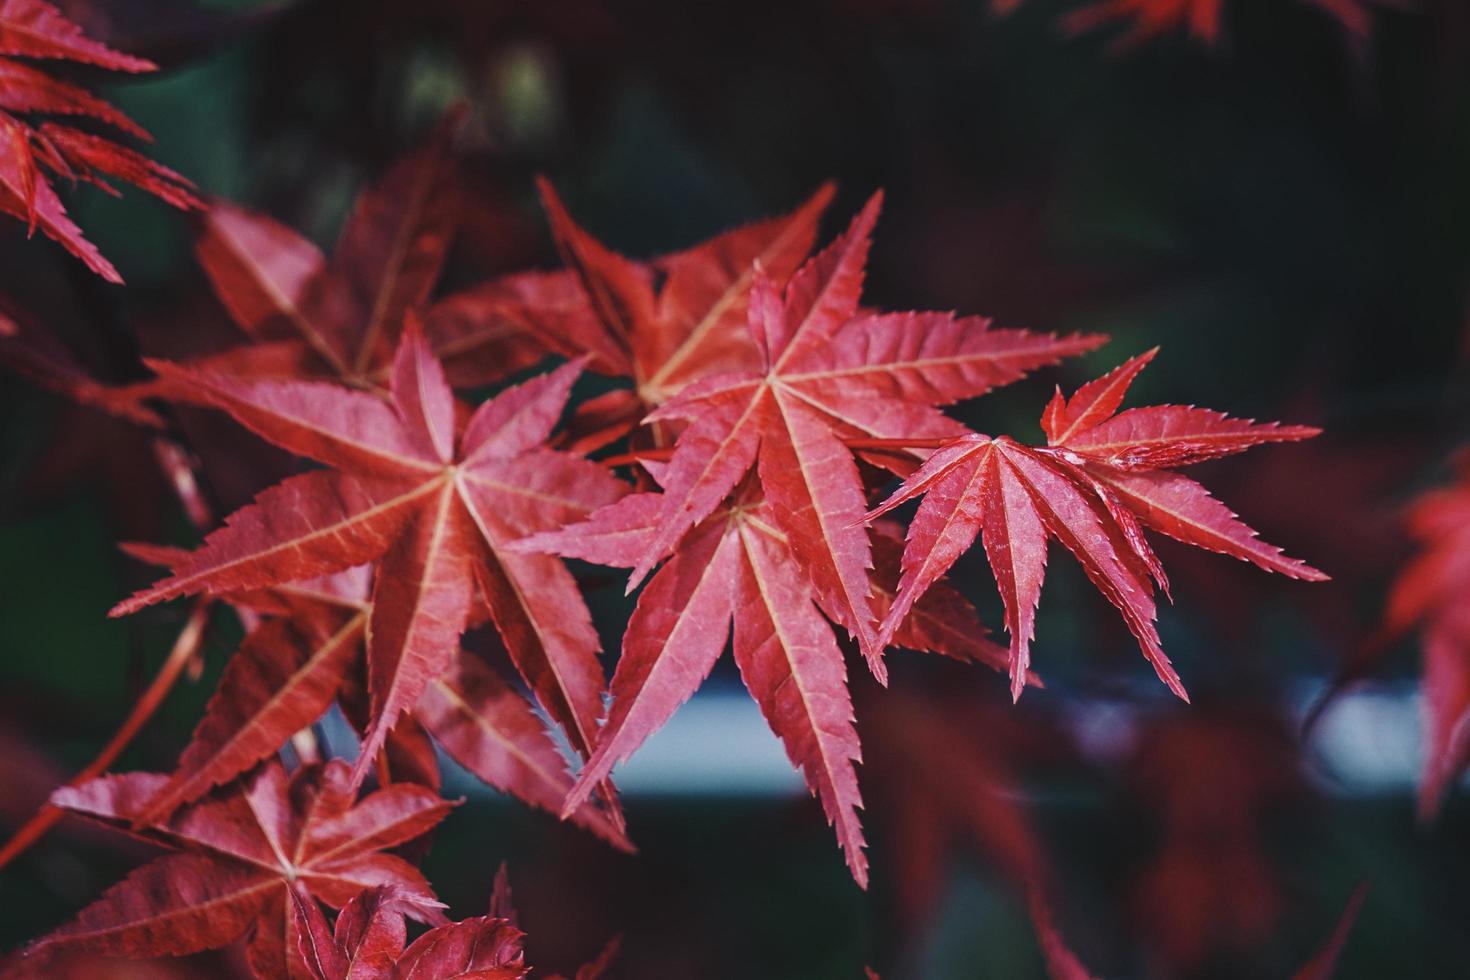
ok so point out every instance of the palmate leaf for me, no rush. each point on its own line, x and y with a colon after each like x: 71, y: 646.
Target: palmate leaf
x: 310, y: 316
x: 289, y: 669
x: 283, y: 678
x: 34, y: 29
x: 237, y: 857
x: 828, y: 375
x: 367, y: 942
x: 1097, y: 484
x: 943, y: 621
x: 434, y: 507
x: 691, y: 325
x: 369, y: 935
x: 735, y: 578
x: 736, y: 567
x: 341, y: 313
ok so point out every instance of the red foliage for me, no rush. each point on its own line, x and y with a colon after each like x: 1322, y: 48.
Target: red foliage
x: 1214, y: 781
x: 1203, y: 20
x: 761, y: 399
x: 1430, y: 594
x: 435, y: 504
x: 35, y: 29
x: 309, y: 316
x: 237, y: 857
x: 1103, y: 476
x: 692, y: 326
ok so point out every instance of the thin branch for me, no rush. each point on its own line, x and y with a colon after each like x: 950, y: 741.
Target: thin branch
x: 184, y: 649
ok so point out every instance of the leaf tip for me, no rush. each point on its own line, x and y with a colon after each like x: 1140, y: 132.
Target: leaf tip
x: 878, y: 669
x: 576, y: 796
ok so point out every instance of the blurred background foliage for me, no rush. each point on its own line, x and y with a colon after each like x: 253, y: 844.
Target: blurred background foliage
x: 1287, y: 214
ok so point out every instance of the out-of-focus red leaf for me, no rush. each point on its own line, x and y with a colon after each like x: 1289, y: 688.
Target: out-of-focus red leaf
x: 1061, y: 962
x: 1203, y: 20
x: 1214, y: 778
x: 1323, y: 966
x: 341, y: 317
x: 943, y: 774
x: 1432, y: 594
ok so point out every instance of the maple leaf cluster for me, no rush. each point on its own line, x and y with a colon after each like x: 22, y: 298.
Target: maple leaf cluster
x: 254, y: 861
x: 35, y: 30
x: 759, y: 402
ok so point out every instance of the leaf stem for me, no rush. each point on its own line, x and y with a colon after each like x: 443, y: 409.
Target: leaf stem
x: 179, y: 657
x: 385, y: 774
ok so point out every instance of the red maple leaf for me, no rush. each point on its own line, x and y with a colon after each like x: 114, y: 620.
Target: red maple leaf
x: 1432, y: 593
x: 307, y: 315
x: 368, y: 939
x: 673, y: 320
x: 827, y: 376
x: 236, y: 857
x: 737, y: 572
x: 1102, y: 478
x: 435, y: 505
x: 312, y: 648
x: 34, y: 29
